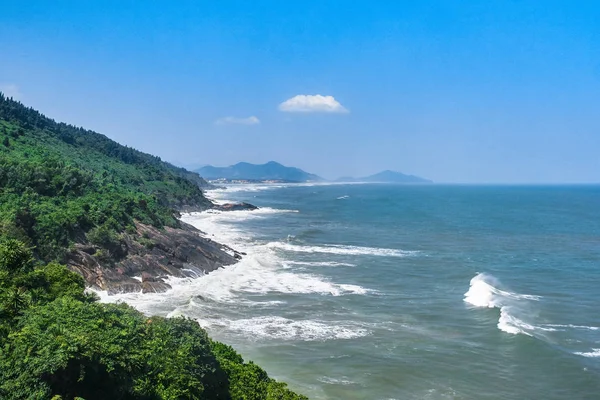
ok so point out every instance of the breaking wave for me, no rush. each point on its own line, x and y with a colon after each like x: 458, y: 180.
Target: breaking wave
x: 275, y: 327
x: 484, y: 291
x: 342, y: 250
x: 592, y: 354
x: 320, y: 263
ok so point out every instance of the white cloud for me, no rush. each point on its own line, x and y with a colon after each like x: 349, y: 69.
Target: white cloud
x: 252, y: 120
x: 10, y: 90
x: 312, y: 103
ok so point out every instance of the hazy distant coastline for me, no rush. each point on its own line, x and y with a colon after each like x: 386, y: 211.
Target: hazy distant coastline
x: 274, y: 172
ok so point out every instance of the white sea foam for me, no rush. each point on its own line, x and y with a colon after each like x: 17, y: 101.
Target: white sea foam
x: 222, y: 193
x: 275, y: 327
x: 336, y: 381
x: 511, y: 324
x: 220, y: 225
x: 481, y: 293
x: 223, y: 299
x: 591, y: 328
x: 342, y: 250
x: 593, y: 354
x: 320, y: 263
x: 255, y: 274
x: 260, y: 271
x: 343, y: 197
x: 484, y: 292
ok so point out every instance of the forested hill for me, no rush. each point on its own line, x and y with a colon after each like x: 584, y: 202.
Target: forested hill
x: 74, y: 196
x: 172, y: 185
x: 258, y: 172
x: 58, y: 182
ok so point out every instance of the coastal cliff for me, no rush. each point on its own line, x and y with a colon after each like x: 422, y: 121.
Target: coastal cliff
x: 148, y: 256
x: 143, y: 258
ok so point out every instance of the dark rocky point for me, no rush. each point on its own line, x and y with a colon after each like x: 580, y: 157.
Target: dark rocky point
x: 235, y: 207
x: 175, y: 252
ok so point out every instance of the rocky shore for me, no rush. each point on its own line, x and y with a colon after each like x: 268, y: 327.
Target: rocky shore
x: 145, y: 258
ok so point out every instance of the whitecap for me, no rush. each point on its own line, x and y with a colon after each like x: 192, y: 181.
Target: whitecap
x: 592, y: 354
x: 341, y: 249
x: 511, y: 324
x: 591, y: 328
x: 320, y: 263
x: 484, y: 292
x: 275, y: 327
x: 336, y: 381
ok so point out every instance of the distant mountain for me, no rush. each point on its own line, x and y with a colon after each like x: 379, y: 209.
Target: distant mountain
x: 387, y: 177
x: 258, y: 172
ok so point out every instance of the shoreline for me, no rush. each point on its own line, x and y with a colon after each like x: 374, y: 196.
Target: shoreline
x: 186, y: 291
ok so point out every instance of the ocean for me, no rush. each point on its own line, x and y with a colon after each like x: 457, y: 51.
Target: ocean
x: 374, y: 291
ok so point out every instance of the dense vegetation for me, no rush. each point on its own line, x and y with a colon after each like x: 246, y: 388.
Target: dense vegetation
x: 57, y: 342
x: 61, y: 185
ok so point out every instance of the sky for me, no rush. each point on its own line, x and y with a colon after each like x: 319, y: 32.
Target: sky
x: 454, y: 91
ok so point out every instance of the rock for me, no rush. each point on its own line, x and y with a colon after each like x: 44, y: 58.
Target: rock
x: 155, y: 287
x: 182, y: 252
x: 235, y: 207
x: 147, y: 277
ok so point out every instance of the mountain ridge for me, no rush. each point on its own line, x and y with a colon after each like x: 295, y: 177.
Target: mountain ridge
x: 387, y: 176
x: 274, y: 171
x: 270, y: 170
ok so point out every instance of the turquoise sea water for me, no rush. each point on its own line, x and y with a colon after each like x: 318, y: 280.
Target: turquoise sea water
x: 407, y: 292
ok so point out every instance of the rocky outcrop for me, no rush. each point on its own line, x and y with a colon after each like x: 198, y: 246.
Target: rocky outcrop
x: 235, y: 207
x: 151, y: 255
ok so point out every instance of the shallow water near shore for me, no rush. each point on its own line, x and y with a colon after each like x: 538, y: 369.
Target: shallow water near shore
x: 406, y: 292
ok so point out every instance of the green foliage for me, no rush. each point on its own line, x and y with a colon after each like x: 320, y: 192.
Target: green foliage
x: 15, y: 257
x: 248, y: 381
x: 60, y: 185
x: 58, y: 343
x: 72, y: 348
x: 180, y: 363
x: 59, y: 182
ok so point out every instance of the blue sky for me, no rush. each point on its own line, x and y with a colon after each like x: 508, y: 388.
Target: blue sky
x: 455, y: 91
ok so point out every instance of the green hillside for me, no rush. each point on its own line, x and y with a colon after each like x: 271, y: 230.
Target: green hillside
x: 63, y: 187
x: 59, y: 183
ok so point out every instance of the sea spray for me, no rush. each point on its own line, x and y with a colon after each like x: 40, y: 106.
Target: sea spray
x: 484, y: 291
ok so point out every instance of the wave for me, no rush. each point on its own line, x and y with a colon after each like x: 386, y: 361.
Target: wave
x: 484, y: 292
x: 592, y: 354
x: 320, y: 263
x: 261, y: 274
x: 517, y: 315
x: 220, y: 225
x: 336, y: 381
x: 343, y: 197
x: 511, y: 324
x: 248, y: 213
x: 562, y: 326
x: 342, y: 250
x: 261, y: 271
x: 276, y: 327
x: 240, y: 285
x: 221, y: 193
